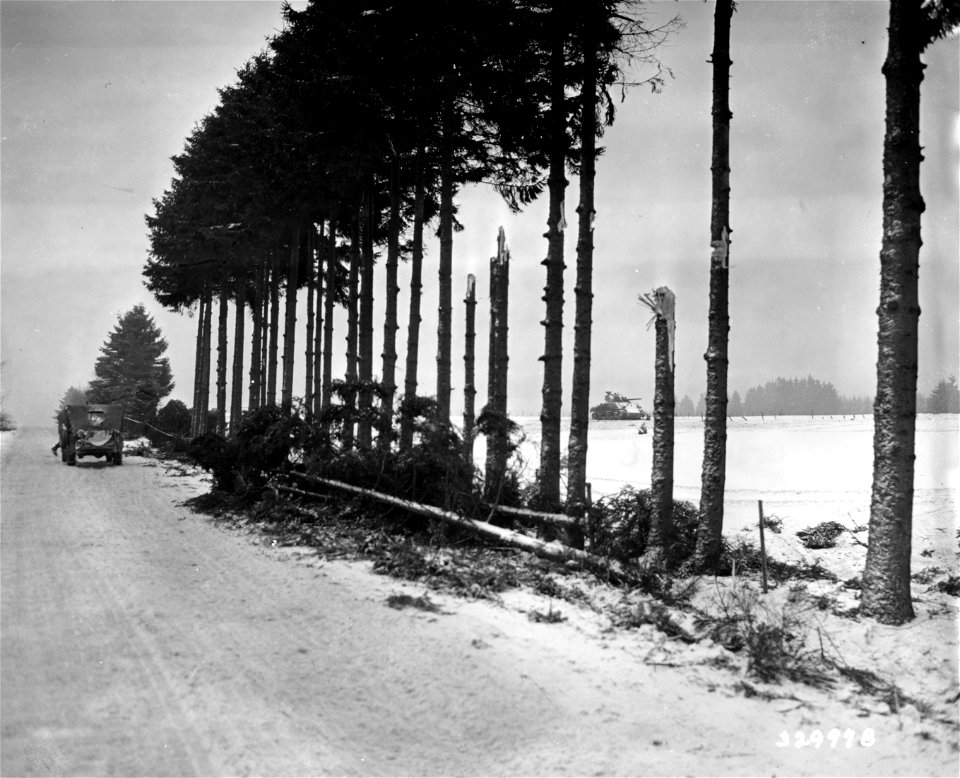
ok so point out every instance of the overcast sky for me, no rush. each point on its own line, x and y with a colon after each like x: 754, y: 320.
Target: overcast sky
x: 97, y: 96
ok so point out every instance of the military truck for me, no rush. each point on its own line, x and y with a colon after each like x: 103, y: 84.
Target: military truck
x: 92, y: 431
x: 616, y: 407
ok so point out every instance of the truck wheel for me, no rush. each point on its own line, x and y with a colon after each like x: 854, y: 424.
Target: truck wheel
x: 72, y: 461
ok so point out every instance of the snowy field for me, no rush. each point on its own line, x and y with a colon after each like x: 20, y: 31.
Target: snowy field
x: 806, y: 470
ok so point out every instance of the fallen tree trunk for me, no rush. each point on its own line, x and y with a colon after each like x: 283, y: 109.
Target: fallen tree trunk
x: 301, y: 492
x: 555, y: 551
x: 537, y: 517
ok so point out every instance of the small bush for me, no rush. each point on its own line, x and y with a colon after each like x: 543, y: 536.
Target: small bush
x: 620, y: 525
x: 926, y: 575
x: 773, y: 642
x: 171, y: 425
x: 656, y: 613
x: 823, y: 535
x: 423, y: 603
x: 773, y: 523
x: 218, y: 456
x: 7, y: 422
x: 550, y: 617
x: 744, y: 557
x: 265, y: 439
x: 950, y: 586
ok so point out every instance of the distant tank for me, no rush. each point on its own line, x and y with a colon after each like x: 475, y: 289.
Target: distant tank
x: 616, y: 407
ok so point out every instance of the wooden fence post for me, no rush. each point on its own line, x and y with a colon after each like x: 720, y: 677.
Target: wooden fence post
x: 763, y: 548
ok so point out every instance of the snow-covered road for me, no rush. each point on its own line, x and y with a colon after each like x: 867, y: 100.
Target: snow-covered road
x: 140, y: 639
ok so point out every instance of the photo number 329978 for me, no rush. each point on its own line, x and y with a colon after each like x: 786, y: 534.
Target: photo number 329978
x: 835, y: 738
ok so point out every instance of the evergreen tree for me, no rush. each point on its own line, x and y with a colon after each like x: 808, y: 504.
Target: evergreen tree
x: 75, y: 395
x: 174, y: 418
x: 735, y: 406
x: 685, y: 407
x: 131, y: 369
x: 945, y: 397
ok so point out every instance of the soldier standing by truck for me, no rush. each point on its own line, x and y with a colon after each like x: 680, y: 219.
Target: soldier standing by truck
x: 63, y: 433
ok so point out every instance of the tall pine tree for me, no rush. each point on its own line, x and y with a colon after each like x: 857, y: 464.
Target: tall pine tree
x: 131, y: 369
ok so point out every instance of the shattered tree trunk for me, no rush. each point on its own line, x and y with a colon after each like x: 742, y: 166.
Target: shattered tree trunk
x: 583, y: 291
x: 274, y: 326
x: 886, y: 575
x: 290, y: 320
x: 550, y: 414
x: 390, y: 326
x: 328, y: 301
x: 661, y: 474
x: 413, y: 320
x: 469, y: 369
x: 498, y: 359
x: 236, y: 385
x: 222, y: 353
x: 365, y: 336
x: 710, y: 529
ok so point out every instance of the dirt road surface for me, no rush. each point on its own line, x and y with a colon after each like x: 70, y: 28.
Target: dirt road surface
x: 140, y: 639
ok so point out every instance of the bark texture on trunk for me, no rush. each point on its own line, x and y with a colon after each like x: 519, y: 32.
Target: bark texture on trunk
x: 886, y: 575
x: 256, y: 311
x: 353, y: 327
x: 583, y: 316
x: 550, y: 446
x: 390, y: 326
x: 469, y: 369
x: 365, y: 337
x: 661, y: 475
x: 328, y: 300
x: 222, y: 353
x: 207, y: 354
x: 445, y: 309
x: 274, y: 326
x: 236, y: 385
x: 312, y: 307
x: 714, y: 469
x: 416, y: 287
x: 198, y: 366
x: 290, y: 319
x: 497, y: 443
x: 317, y: 257
x: 265, y: 330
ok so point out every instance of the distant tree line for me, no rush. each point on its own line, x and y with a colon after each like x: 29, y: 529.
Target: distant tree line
x: 944, y: 398
x: 809, y: 396
x: 799, y: 396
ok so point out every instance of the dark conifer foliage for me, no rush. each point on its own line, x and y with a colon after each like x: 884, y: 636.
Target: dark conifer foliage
x: 945, y: 397
x: 132, y: 369
x: 371, y: 118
